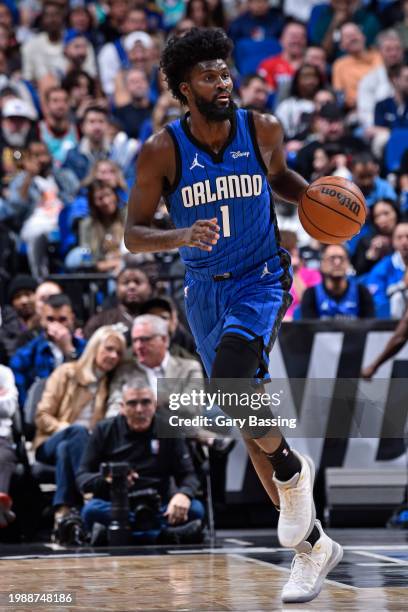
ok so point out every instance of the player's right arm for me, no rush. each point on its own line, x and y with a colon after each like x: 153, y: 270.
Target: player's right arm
x: 156, y: 165
x: 393, y: 346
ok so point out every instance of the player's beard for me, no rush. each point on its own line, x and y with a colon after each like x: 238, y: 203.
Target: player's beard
x: 211, y: 111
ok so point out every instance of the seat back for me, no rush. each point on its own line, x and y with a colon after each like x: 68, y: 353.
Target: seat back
x: 395, y: 148
x: 248, y: 53
x: 30, y: 407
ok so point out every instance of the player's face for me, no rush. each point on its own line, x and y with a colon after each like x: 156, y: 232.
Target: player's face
x: 209, y: 90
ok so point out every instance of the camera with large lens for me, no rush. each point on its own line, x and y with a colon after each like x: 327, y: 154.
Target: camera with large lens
x: 70, y: 530
x: 145, y: 505
x: 119, y: 533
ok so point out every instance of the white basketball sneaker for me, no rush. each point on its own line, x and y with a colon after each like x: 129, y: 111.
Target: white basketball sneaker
x: 297, y: 510
x: 310, y: 567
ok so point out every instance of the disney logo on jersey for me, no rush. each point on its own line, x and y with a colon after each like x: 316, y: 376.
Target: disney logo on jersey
x: 223, y: 188
x: 236, y: 154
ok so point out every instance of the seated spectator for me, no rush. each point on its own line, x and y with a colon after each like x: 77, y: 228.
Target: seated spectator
x: 330, y: 128
x: 36, y: 198
x: 181, y: 341
x: 17, y: 132
x: 365, y: 174
x: 100, y: 233
x: 8, y: 458
x: 303, y: 277
x: 383, y: 218
x: 376, y: 85
x: 57, y: 131
x: 79, y: 53
x: 166, y: 109
x: 316, y: 56
x: 43, y: 53
x: 198, y: 11
x: 388, y: 272
x: 96, y: 144
x: 338, y: 296
x: 82, y: 91
x: 81, y: 20
x: 254, y: 93
x: 42, y: 293
x: 114, y: 55
x: 115, y: 20
x: 53, y: 346
x: 73, y: 401
x: 327, y: 18
x: 109, y: 173
x: 257, y: 22
x: 10, y: 47
x: 295, y: 112
x: 133, y: 288
x: 278, y: 70
x: 132, y: 100
x: 330, y: 160
x: 392, y: 112
x: 131, y: 437
x: 19, y: 316
x: 151, y: 360
x: 358, y: 61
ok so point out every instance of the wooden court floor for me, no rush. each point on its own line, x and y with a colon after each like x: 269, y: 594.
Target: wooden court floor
x: 235, y: 579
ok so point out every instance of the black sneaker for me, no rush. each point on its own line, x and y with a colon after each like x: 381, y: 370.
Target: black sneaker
x: 189, y: 533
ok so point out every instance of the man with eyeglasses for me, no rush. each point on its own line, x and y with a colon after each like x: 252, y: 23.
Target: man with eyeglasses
x: 151, y: 360
x: 55, y: 345
x: 339, y: 296
x: 132, y: 437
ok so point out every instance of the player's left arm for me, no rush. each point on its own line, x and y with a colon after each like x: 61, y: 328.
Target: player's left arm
x: 286, y: 183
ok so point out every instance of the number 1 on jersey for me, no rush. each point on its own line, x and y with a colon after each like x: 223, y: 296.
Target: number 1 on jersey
x: 225, y: 221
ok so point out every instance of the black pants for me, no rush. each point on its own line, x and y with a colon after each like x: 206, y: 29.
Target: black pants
x: 8, y: 460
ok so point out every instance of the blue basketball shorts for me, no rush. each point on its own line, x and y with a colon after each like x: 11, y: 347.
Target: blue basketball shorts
x: 250, y: 306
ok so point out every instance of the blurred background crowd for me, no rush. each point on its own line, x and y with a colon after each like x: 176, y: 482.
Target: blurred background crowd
x: 81, y: 90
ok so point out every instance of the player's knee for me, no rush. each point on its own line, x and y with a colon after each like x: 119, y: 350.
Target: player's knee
x: 237, y: 357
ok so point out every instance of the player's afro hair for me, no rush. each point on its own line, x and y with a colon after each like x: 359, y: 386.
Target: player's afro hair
x: 182, y: 53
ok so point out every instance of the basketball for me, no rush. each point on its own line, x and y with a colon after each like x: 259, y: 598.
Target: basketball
x: 332, y: 210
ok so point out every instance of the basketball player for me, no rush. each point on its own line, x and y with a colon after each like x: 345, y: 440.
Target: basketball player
x: 217, y: 169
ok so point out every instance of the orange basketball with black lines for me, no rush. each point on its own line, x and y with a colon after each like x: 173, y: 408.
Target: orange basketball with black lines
x: 332, y: 210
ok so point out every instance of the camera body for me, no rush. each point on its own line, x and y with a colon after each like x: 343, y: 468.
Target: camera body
x: 145, y: 506
x: 143, y: 503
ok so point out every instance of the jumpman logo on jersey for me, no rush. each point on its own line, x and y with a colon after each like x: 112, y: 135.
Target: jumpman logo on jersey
x: 265, y: 271
x: 196, y: 163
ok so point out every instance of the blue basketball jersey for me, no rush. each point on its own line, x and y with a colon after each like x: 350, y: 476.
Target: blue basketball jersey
x: 347, y: 307
x: 232, y: 186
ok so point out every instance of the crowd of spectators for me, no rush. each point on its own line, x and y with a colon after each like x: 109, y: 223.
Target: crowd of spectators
x: 80, y: 91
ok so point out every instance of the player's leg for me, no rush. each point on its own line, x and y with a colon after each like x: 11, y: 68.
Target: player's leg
x: 235, y: 366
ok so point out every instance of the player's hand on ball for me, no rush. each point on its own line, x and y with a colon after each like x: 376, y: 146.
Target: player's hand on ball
x: 203, y: 234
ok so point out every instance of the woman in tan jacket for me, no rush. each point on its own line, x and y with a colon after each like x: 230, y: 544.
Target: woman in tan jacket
x: 74, y: 399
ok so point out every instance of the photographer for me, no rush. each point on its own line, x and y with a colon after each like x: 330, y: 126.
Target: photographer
x: 131, y: 437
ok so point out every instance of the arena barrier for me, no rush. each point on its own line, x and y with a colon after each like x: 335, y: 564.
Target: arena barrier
x: 332, y: 350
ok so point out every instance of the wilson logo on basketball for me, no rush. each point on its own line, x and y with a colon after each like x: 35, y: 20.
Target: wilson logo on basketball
x: 352, y: 205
